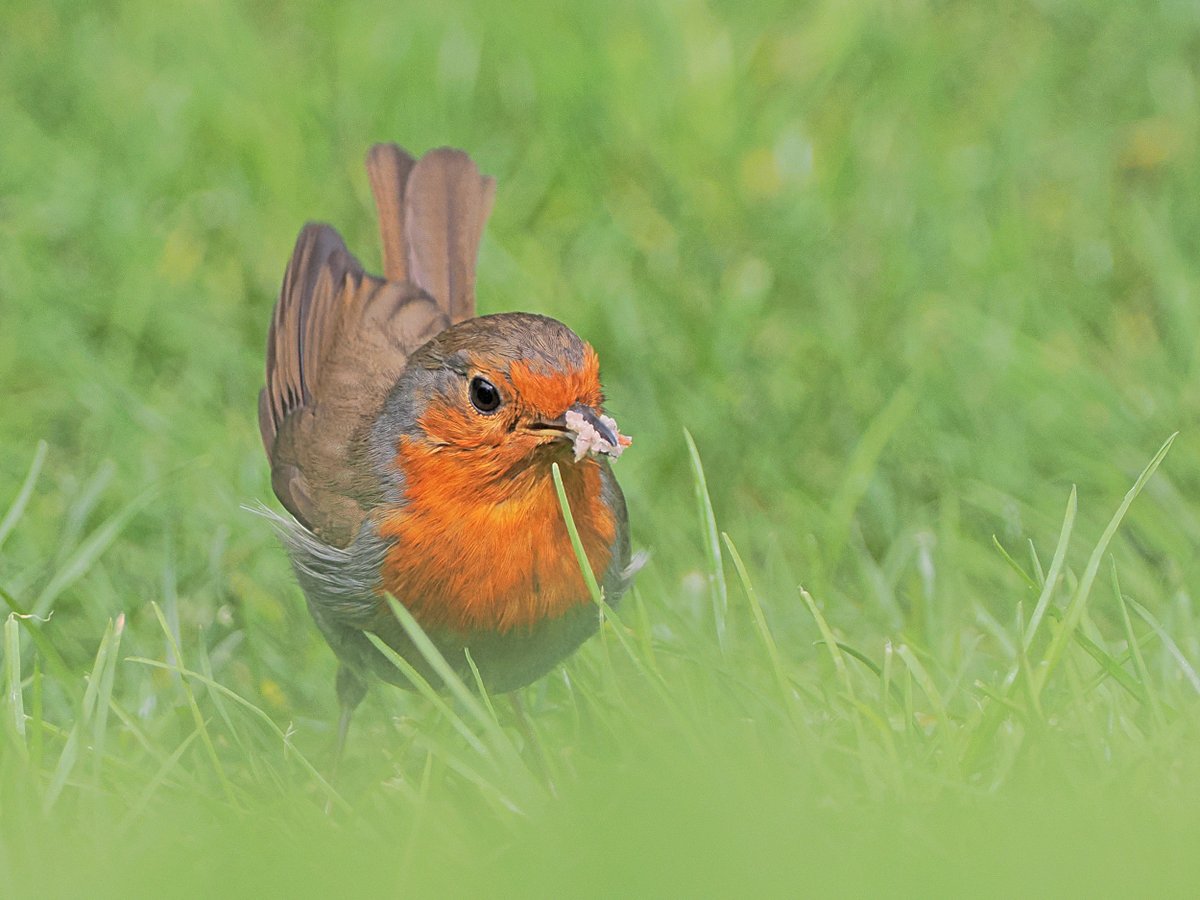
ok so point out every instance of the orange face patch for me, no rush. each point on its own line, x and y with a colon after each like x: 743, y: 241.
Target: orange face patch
x: 550, y: 393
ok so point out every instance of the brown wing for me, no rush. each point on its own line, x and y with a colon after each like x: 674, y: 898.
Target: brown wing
x: 340, y: 338
x: 338, y: 341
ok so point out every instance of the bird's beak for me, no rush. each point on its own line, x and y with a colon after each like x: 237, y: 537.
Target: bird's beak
x: 587, y: 429
x: 590, y: 417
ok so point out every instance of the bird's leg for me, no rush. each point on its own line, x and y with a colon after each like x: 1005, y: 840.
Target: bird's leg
x: 531, y: 739
x: 350, y: 692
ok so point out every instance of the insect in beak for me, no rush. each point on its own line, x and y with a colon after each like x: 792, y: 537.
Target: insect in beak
x: 589, y: 431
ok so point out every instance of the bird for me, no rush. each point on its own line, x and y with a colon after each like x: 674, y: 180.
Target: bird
x: 411, y: 443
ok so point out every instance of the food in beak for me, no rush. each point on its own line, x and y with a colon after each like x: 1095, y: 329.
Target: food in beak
x: 595, y: 434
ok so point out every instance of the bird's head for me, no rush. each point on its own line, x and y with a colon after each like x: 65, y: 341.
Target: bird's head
x: 504, y: 392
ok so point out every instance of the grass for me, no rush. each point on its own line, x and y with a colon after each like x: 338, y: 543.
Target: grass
x: 899, y: 302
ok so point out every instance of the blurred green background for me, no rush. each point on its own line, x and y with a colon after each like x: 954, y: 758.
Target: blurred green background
x: 907, y: 271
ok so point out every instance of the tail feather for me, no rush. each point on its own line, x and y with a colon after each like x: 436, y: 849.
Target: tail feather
x: 388, y: 168
x: 431, y: 215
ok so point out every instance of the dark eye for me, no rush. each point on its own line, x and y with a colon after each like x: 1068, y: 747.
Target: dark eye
x: 484, y: 396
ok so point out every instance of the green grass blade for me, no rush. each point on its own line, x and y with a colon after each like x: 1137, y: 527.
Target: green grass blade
x: 422, y: 686
x: 718, y: 591
x: 886, y: 684
x: 921, y: 675
x: 1078, y: 604
x: 453, y: 683
x: 1012, y: 563
x: 585, y: 566
x: 245, y: 748
x: 1025, y: 670
x: 92, y: 692
x: 70, y: 752
x: 1036, y: 562
x: 484, y: 694
x: 863, y: 462
x: 855, y: 653
x: 189, y: 695
x: 760, y: 621
x: 169, y: 765
x: 1186, y: 667
x: 1000, y: 698
x: 1112, y: 668
x: 1056, y: 566
x: 62, y: 673
x: 12, y: 680
x: 87, y: 553
x: 831, y: 642
x: 104, y: 698
x: 258, y: 713
x: 589, y: 577
x: 1149, y: 695
x: 83, y: 503
x: 17, y: 508
x: 36, y: 720
x: 63, y: 770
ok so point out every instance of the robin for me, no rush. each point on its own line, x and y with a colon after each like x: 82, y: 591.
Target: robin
x: 412, y: 443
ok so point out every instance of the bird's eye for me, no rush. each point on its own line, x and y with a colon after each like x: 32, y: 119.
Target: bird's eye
x: 484, y: 396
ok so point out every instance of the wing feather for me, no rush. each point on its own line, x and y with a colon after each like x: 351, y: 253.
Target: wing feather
x: 338, y: 341
x: 339, y: 337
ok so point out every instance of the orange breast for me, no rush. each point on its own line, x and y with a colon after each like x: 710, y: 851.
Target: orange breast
x: 477, y: 552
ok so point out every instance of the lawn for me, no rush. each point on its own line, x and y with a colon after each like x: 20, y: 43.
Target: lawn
x: 899, y: 302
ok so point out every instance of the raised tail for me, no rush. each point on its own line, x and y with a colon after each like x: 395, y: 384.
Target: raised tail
x: 432, y: 213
